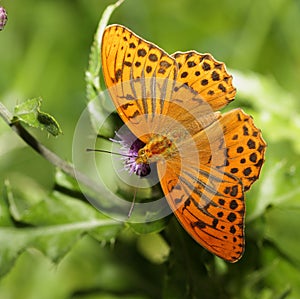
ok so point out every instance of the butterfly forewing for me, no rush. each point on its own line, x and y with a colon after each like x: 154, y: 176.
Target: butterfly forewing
x: 140, y: 76
x: 143, y: 80
x: 206, y: 76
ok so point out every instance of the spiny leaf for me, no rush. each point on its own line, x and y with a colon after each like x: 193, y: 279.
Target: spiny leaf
x: 96, y: 97
x: 52, y: 225
x: 92, y: 73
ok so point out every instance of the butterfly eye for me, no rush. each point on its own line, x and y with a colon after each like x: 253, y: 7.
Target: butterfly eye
x: 142, y: 152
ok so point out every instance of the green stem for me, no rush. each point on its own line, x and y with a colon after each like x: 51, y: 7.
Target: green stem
x: 66, y: 167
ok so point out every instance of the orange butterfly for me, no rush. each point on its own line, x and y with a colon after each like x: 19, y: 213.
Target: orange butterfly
x: 205, y: 160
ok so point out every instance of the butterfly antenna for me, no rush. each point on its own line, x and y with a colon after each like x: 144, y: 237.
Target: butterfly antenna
x: 107, y: 152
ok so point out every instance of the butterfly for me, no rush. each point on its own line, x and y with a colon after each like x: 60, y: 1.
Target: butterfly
x: 205, y: 160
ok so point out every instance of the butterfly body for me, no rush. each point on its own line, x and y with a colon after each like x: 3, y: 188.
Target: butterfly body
x: 205, y: 160
x: 159, y: 147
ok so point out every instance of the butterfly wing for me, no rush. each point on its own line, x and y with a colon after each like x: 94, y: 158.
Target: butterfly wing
x: 156, y: 92
x: 139, y: 76
x: 143, y: 82
x: 209, y: 204
x: 233, y: 145
x: 205, y: 185
x: 202, y: 86
x: 207, y: 76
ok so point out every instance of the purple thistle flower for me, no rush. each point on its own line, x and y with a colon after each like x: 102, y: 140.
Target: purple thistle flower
x: 130, y: 147
x: 3, y: 18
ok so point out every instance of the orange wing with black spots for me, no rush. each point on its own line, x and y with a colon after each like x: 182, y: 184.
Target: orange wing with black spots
x: 142, y: 80
x: 209, y: 159
x: 207, y: 76
x: 139, y: 76
x: 209, y: 204
x: 205, y: 189
x: 233, y: 145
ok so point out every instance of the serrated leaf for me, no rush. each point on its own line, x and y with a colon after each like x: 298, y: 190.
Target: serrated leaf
x: 92, y: 73
x: 52, y: 225
x: 99, y: 105
x: 49, y: 123
x: 30, y: 114
x: 20, y: 200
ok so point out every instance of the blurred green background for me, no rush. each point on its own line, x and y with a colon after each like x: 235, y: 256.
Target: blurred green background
x: 44, y: 52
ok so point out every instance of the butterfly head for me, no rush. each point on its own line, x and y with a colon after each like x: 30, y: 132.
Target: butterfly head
x: 158, y: 148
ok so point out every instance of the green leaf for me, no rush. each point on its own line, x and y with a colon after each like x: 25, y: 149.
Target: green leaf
x: 99, y: 103
x: 280, y: 180
x: 149, y: 227
x: 5, y: 218
x: 51, y: 225
x: 271, y: 106
x: 20, y: 200
x: 188, y: 271
x: 102, y: 120
x: 29, y: 113
x: 279, y: 267
x: 282, y: 228
x: 66, y: 183
x: 92, y: 73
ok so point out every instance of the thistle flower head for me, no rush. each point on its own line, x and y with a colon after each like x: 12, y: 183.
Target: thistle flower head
x: 3, y: 17
x: 130, y: 147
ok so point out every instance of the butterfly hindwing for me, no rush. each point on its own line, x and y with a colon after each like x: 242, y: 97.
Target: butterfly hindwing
x: 234, y: 145
x: 209, y: 204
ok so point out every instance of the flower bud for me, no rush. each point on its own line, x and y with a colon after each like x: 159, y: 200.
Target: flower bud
x: 3, y: 17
